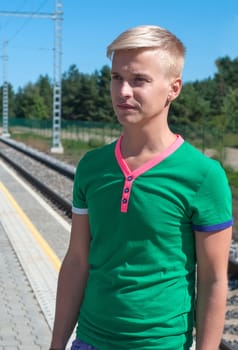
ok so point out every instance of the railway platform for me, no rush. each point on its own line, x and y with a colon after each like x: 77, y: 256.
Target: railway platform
x: 33, y: 239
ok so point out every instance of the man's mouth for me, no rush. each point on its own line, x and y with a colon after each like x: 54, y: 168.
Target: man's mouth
x: 125, y: 106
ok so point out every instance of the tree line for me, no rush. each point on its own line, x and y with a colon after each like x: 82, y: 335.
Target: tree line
x: 86, y: 97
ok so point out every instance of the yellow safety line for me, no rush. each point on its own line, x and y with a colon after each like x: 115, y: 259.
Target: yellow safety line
x: 41, y: 241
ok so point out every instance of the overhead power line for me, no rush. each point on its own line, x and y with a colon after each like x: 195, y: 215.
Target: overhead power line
x: 27, y: 15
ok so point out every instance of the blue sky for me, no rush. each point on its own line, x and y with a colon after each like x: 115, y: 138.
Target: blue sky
x: 208, y: 28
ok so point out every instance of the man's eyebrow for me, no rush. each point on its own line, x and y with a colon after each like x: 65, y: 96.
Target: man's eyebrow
x: 140, y: 74
x: 133, y: 73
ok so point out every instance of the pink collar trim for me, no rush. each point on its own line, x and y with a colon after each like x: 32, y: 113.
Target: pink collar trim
x: 148, y: 165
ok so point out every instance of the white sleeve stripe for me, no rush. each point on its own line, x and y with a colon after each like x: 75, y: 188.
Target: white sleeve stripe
x: 79, y: 210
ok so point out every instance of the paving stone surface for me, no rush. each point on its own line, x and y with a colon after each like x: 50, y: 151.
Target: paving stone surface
x: 22, y: 323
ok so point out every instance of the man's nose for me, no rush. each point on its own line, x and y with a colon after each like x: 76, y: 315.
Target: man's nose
x: 126, y: 89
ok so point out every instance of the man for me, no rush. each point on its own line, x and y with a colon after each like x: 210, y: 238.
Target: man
x: 149, y: 212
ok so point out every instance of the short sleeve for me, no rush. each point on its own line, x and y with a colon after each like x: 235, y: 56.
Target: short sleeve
x: 212, y: 207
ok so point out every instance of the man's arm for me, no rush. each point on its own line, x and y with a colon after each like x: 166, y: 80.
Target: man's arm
x: 72, y: 281
x: 212, y: 262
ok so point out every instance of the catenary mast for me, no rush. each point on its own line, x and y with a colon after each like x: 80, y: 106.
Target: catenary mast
x: 5, y: 132
x: 56, y: 129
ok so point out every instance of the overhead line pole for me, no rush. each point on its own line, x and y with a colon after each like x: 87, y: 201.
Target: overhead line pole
x: 5, y: 132
x: 57, y: 16
x: 56, y: 129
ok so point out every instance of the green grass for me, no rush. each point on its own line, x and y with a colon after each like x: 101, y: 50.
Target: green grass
x: 73, y: 149
x: 43, y: 143
x: 233, y: 180
x: 230, y: 140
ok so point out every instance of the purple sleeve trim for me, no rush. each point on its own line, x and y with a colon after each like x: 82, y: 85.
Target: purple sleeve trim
x: 217, y: 227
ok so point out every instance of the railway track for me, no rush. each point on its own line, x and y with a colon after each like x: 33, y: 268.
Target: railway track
x: 54, y: 179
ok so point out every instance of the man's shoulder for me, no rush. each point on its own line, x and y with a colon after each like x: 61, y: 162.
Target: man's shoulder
x: 100, y: 152
x: 199, y: 162
x: 97, y: 158
x: 197, y: 154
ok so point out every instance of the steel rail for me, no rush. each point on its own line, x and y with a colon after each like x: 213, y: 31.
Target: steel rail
x: 64, y: 205
x: 60, y: 167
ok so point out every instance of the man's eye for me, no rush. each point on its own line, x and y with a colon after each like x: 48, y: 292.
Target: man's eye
x: 139, y: 79
x: 116, y: 77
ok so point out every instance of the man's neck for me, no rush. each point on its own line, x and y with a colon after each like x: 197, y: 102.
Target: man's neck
x: 136, y: 142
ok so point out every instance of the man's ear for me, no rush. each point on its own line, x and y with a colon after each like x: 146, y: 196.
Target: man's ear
x: 175, y: 89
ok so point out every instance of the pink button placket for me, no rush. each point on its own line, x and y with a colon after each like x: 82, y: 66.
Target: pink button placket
x: 130, y: 176
x: 126, y: 193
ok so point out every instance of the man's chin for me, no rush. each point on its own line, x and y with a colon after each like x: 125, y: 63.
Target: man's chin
x: 126, y: 119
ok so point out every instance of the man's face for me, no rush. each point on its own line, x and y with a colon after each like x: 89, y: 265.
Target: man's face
x: 139, y: 86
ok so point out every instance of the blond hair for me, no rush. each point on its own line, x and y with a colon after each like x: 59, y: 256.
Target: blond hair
x: 152, y: 37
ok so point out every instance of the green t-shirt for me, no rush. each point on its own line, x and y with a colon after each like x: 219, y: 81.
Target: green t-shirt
x: 140, y: 290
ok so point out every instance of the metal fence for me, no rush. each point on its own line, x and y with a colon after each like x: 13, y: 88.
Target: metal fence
x: 71, y: 130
